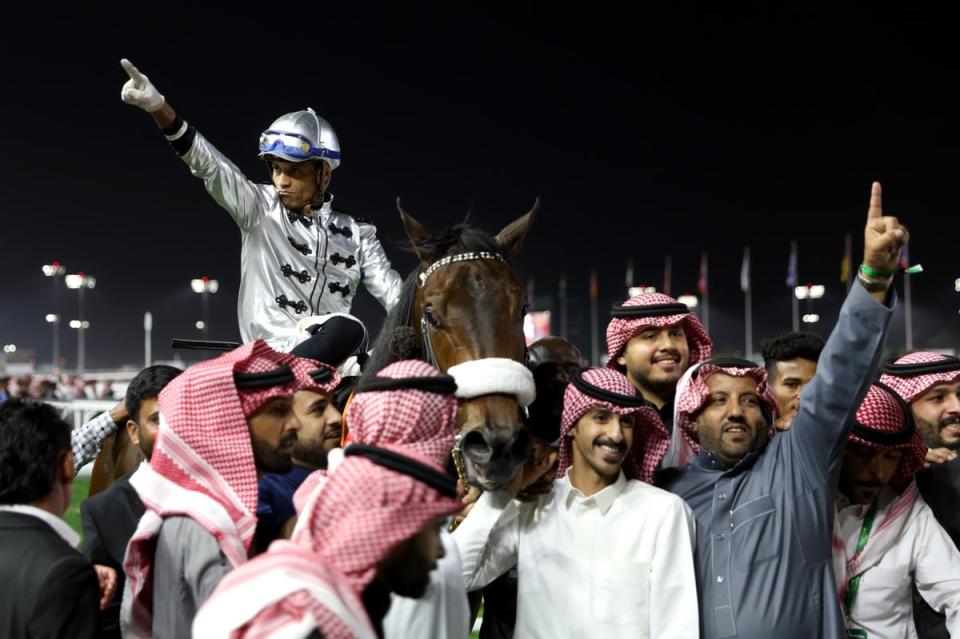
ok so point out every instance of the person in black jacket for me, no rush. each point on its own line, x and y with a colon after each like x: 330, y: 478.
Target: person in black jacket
x: 47, y: 589
x: 111, y: 517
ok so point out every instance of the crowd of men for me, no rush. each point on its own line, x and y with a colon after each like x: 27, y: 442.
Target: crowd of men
x: 671, y: 493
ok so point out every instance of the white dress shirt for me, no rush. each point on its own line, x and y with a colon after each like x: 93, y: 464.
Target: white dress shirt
x: 618, y: 563
x: 923, y: 555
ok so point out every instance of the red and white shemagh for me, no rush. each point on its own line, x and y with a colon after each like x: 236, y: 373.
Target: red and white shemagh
x: 649, y: 435
x: 909, y: 388
x: 316, y: 580
x: 420, y: 420
x: 621, y: 330
x: 202, y: 465
x: 880, y: 411
x: 691, y: 397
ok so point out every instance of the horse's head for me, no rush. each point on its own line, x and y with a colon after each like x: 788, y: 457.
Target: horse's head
x: 468, y: 311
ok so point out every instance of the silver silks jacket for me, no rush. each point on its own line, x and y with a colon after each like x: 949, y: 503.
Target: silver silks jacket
x: 292, y: 266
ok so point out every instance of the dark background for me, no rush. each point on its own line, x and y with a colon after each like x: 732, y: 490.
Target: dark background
x: 644, y: 133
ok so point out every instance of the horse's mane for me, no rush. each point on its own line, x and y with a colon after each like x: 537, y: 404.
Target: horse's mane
x: 461, y: 238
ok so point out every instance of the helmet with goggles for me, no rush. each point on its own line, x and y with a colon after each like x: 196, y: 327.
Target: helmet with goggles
x: 301, y: 136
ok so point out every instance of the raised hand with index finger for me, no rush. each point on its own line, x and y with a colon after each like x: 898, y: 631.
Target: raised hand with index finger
x: 138, y: 90
x: 883, y: 239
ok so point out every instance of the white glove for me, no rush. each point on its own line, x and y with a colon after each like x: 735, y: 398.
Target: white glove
x: 138, y: 90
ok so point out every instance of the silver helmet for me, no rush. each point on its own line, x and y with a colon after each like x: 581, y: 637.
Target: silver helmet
x: 301, y: 136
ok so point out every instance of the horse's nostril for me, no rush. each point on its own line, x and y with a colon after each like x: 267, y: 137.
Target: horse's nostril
x: 521, y: 446
x: 475, y: 447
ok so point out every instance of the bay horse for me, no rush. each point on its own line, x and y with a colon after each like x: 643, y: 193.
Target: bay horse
x: 463, y: 306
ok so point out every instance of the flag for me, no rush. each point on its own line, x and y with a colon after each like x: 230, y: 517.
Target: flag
x: 629, y: 277
x: 845, y: 262
x: 905, y: 257
x: 702, y: 282
x: 667, y: 274
x: 745, y: 270
x: 792, y: 266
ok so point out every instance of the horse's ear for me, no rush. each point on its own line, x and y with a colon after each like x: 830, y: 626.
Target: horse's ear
x: 415, y: 230
x: 511, y: 237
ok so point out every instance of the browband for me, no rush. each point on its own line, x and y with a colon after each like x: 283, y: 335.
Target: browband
x: 280, y: 376
x: 439, y: 481
x: 440, y: 384
x: 949, y: 363
x: 884, y: 437
x: 653, y: 310
x: 585, y: 387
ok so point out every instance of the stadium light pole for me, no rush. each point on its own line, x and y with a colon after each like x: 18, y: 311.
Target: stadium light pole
x: 80, y: 282
x: 204, y: 286
x: 55, y: 271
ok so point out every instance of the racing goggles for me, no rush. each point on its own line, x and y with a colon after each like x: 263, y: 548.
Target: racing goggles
x: 293, y: 146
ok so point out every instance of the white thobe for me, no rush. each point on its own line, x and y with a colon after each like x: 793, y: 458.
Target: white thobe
x: 618, y: 563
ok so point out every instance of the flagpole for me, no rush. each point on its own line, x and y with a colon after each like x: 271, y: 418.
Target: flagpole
x: 908, y: 311
x: 705, y: 293
x: 563, y: 305
x: 746, y: 286
x: 667, y: 274
x: 594, y: 320
x: 795, y: 303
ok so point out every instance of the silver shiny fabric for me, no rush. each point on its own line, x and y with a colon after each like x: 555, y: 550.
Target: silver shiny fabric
x: 292, y: 265
x: 308, y: 127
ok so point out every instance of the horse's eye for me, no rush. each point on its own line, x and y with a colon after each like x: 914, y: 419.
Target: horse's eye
x: 431, y: 318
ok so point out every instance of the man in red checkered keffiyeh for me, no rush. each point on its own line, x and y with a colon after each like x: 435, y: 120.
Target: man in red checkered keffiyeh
x: 930, y: 383
x: 372, y: 530
x: 884, y: 527
x: 602, y: 554
x: 222, y: 423
x: 652, y: 339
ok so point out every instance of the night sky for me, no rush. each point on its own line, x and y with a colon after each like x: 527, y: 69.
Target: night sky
x: 642, y: 133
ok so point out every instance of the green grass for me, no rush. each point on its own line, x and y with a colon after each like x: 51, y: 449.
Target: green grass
x: 80, y: 487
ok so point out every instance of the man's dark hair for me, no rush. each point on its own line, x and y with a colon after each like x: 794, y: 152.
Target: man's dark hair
x: 33, y: 437
x: 790, y: 346
x: 148, y: 383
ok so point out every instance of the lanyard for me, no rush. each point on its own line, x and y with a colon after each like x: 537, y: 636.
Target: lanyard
x: 853, y: 586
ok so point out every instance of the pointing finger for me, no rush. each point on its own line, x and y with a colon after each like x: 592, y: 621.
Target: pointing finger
x: 131, y: 70
x: 876, y: 202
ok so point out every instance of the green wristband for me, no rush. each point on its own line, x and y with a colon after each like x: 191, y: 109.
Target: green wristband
x: 870, y: 272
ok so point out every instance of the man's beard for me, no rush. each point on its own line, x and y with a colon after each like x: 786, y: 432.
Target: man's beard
x: 268, y: 458
x: 310, y: 452
x: 931, y: 432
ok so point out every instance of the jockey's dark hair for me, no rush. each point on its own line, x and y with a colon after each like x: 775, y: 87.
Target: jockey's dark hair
x: 147, y: 384
x: 461, y: 238
x: 33, y: 440
x: 790, y: 346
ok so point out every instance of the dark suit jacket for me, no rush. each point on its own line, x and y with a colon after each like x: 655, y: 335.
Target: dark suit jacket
x: 109, y: 520
x: 47, y: 589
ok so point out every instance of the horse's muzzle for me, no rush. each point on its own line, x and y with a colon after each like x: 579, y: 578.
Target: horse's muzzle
x: 495, y: 455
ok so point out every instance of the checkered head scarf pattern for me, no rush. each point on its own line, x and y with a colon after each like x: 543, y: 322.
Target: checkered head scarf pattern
x: 421, y: 420
x: 911, y: 386
x: 621, y: 330
x: 642, y: 459
x: 692, y: 397
x: 364, y: 510
x: 204, y: 442
x: 884, y: 421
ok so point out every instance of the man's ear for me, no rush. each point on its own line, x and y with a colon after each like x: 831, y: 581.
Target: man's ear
x: 622, y: 360
x: 133, y: 431
x: 66, y: 467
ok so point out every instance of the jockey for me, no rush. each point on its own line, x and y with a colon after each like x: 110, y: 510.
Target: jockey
x: 300, y: 258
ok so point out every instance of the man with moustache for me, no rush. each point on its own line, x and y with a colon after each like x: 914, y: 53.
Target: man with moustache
x: 886, y: 539
x: 930, y: 383
x: 223, y: 423
x: 764, y: 505
x: 319, y: 433
x: 602, y: 554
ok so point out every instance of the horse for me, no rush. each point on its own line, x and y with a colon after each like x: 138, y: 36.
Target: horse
x: 462, y: 310
x: 118, y: 456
